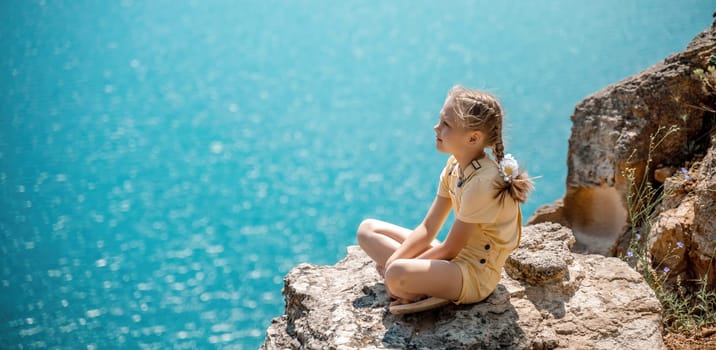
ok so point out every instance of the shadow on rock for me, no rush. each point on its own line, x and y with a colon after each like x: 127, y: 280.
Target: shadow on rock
x: 375, y: 297
x: 489, y: 324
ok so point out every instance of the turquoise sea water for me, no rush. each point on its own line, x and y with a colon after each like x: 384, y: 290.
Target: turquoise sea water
x: 164, y: 163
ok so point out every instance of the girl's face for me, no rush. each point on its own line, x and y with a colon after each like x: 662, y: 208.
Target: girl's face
x: 451, y: 136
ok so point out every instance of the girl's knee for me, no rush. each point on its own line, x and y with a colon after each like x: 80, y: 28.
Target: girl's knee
x: 396, y: 273
x: 365, y: 230
x: 368, y: 224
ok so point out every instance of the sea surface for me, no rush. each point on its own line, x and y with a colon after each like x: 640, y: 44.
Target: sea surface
x: 163, y: 164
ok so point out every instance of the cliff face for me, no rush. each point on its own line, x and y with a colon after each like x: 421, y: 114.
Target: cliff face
x: 548, y: 298
x: 625, y: 126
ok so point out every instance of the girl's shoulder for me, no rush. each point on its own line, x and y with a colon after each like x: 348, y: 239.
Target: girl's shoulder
x: 488, y: 168
x: 486, y: 178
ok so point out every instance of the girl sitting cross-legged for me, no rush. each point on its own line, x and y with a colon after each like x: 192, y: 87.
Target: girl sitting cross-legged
x: 485, y: 194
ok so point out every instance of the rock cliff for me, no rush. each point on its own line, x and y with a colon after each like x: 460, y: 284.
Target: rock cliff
x: 625, y: 126
x: 548, y: 298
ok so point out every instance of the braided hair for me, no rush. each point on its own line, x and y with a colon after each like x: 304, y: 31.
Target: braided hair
x: 479, y: 110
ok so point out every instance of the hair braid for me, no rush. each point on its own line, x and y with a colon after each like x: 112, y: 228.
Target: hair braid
x: 498, y: 148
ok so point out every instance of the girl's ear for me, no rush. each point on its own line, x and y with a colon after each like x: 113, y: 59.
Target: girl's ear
x: 476, y: 137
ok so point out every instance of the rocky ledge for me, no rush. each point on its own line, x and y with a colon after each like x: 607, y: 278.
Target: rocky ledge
x: 548, y: 298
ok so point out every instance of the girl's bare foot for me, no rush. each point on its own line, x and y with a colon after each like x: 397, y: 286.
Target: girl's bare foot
x: 381, y: 270
x: 399, y: 307
x: 397, y: 302
x: 402, y: 301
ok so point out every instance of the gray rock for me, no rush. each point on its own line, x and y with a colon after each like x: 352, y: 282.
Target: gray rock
x: 683, y: 235
x: 612, y: 131
x: 596, y: 303
x: 543, y: 256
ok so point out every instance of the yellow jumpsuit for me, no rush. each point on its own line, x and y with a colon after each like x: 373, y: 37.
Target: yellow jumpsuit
x: 499, y: 229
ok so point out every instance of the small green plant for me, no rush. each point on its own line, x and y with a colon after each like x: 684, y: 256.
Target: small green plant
x: 707, y: 77
x: 687, y: 305
x: 642, y: 199
x: 708, y: 80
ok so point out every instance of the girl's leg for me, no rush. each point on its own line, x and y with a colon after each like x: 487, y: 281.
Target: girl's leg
x: 380, y: 239
x: 412, y: 279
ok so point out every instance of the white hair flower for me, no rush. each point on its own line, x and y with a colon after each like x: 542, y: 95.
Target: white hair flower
x: 509, y: 168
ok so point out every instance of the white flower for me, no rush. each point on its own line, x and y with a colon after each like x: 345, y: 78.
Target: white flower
x: 509, y: 168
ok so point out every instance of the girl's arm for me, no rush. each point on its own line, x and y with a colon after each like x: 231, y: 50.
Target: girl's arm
x: 419, y: 240
x: 456, y: 240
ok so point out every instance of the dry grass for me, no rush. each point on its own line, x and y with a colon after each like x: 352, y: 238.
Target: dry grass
x: 689, y: 316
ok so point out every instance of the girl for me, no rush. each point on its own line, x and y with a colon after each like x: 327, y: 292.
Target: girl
x: 421, y: 272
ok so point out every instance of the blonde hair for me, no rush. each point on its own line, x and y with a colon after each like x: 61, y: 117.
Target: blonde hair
x: 479, y: 110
